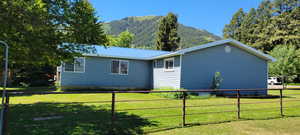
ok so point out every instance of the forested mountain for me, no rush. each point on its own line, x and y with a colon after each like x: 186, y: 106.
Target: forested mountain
x: 144, y: 28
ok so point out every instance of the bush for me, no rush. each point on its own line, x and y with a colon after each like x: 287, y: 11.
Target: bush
x: 172, y: 95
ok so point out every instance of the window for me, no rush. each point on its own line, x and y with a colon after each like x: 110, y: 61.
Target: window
x: 119, y: 67
x: 155, y: 64
x: 115, y: 66
x: 77, y: 65
x: 169, y: 63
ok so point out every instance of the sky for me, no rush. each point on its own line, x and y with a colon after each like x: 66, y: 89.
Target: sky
x: 210, y: 15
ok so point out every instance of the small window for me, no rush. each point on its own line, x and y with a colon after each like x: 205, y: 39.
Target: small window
x: 77, y: 65
x: 119, y: 67
x: 115, y: 67
x: 124, y: 67
x: 169, y: 63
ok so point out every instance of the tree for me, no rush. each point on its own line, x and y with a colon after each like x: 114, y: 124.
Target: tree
x: 281, y: 6
x: 167, y: 36
x: 287, y: 64
x: 36, y: 29
x: 285, y: 29
x: 264, y: 13
x: 233, y: 30
x: 272, y: 23
x: 83, y: 25
x: 248, y: 27
x: 124, y: 39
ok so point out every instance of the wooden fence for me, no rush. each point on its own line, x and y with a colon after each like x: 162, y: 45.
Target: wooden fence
x: 232, y: 93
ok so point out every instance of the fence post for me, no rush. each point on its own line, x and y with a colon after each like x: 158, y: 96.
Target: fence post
x: 183, y: 108
x: 238, y: 104
x: 113, y: 113
x: 5, y: 120
x: 281, y: 111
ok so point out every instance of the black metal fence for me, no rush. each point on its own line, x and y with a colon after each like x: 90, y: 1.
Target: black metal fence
x: 231, y: 93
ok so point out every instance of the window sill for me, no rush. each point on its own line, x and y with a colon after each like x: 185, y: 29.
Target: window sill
x: 169, y: 70
x: 73, y: 72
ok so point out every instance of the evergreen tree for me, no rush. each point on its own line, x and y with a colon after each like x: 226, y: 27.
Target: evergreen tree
x: 264, y: 13
x: 167, y: 36
x: 285, y: 29
x: 281, y: 6
x: 233, y: 30
x: 248, y: 27
x: 83, y: 24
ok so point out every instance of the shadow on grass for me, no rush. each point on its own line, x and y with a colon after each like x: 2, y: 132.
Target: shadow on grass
x: 71, y: 119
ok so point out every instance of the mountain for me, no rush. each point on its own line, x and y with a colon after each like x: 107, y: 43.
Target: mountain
x: 144, y: 28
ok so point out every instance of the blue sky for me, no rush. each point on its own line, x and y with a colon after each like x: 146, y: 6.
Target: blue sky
x: 210, y: 15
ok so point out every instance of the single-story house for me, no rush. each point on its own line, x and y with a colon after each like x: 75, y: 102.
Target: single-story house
x: 192, y: 68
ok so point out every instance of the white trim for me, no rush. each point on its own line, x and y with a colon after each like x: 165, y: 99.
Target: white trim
x: 180, y: 70
x: 74, y: 71
x: 169, y: 70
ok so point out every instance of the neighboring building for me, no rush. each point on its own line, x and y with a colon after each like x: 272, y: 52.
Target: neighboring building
x: 192, y: 68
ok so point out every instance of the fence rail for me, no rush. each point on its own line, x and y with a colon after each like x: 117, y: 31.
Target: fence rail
x: 235, y: 93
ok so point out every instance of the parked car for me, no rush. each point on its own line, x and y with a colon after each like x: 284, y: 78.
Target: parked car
x: 274, y: 81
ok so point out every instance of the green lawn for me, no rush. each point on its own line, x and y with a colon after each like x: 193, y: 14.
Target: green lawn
x: 294, y: 84
x: 84, y: 114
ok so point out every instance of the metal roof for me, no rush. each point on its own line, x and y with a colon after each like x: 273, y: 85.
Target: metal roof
x: 126, y: 53
x: 143, y: 54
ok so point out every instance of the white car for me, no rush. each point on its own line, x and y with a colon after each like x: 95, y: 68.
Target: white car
x: 274, y: 80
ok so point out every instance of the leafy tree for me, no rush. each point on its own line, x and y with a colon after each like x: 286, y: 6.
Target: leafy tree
x: 287, y: 64
x: 167, y: 36
x: 36, y: 29
x: 124, y: 39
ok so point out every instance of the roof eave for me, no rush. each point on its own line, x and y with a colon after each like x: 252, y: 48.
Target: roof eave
x: 117, y: 57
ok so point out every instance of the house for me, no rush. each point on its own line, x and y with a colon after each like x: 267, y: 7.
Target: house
x: 192, y: 68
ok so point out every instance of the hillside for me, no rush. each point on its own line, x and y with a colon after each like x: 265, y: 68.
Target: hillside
x: 145, y: 28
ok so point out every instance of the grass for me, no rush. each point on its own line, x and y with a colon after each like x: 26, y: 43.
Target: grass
x: 294, y: 84
x: 85, y: 114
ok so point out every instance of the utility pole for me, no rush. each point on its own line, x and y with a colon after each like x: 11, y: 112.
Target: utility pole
x: 4, y: 83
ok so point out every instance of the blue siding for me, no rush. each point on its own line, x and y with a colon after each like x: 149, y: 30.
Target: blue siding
x: 98, y: 74
x: 238, y: 68
x: 162, y: 78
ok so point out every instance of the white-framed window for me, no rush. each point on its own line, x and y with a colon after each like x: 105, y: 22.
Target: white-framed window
x: 119, y: 67
x: 78, y: 65
x: 169, y: 64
